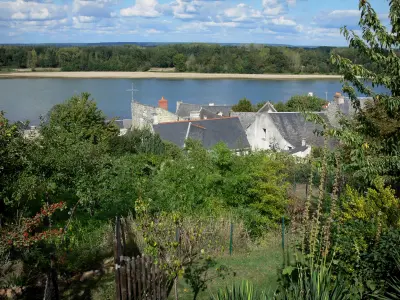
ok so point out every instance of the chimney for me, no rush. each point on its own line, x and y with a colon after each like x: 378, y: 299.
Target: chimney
x: 339, y: 99
x: 163, y: 103
x: 155, y: 119
x: 178, y: 103
x: 303, y: 142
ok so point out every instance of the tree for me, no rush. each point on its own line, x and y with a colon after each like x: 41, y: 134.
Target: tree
x: 301, y: 103
x: 372, y: 139
x: 180, y: 62
x: 244, y: 105
x: 79, y: 119
x: 33, y: 60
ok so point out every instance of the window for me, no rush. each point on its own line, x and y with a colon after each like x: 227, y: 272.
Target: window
x: 290, y: 148
x: 265, y: 134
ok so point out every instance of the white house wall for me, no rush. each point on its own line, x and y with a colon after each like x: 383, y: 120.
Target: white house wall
x: 260, y: 140
x: 304, y: 153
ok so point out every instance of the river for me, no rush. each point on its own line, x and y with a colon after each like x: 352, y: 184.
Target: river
x: 27, y: 99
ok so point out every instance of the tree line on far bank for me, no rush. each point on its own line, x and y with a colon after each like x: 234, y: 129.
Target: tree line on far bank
x: 295, y: 103
x: 202, y: 58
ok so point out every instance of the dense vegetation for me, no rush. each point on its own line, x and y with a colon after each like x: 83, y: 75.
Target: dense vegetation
x: 297, y: 103
x: 203, y: 58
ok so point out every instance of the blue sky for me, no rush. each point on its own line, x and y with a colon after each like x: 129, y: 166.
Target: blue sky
x: 293, y: 22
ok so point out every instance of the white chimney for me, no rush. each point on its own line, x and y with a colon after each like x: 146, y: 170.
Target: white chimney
x: 310, y: 94
x: 155, y: 119
x: 303, y: 142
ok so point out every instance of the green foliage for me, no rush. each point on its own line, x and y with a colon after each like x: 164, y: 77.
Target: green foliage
x: 367, y: 234
x: 137, y: 142
x: 13, y: 152
x: 86, y: 245
x: 180, y: 62
x: 311, y: 282
x: 244, y: 105
x: 202, y: 58
x: 301, y: 103
x: 78, y: 119
x: 244, y: 291
x: 372, y: 138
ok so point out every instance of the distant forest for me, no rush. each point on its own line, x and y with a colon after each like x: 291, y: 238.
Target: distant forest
x: 201, y: 58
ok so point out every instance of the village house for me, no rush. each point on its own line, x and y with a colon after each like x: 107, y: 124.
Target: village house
x: 144, y: 116
x: 208, y: 131
x: 287, y: 131
x: 342, y: 106
x: 188, y: 111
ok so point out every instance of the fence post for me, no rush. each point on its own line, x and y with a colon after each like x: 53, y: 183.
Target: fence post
x: 231, y: 240
x: 117, y: 253
x: 283, y: 240
x: 177, y: 239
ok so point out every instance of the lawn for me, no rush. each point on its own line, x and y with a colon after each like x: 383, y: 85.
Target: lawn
x: 259, y: 266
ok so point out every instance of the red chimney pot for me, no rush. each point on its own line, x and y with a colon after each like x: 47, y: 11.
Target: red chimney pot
x: 163, y: 103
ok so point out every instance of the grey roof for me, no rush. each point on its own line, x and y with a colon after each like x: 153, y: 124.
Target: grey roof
x: 209, y: 132
x: 123, y: 124
x: 225, y: 109
x: 294, y: 128
x: 206, y: 114
x: 347, y: 107
x: 246, y: 118
x: 184, y: 109
x: 119, y: 123
x: 298, y: 149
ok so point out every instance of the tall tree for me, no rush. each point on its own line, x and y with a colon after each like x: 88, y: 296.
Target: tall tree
x: 372, y: 139
x: 301, y: 103
x: 244, y: 105
x: 180, y: 62
x: 33, y: 60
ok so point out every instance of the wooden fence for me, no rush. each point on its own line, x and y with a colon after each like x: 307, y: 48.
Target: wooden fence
x: 137, y: 278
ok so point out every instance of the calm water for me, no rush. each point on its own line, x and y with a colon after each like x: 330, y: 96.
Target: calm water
x: 27, y: 99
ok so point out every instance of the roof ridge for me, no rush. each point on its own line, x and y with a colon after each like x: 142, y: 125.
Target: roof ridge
x: 186, y: 121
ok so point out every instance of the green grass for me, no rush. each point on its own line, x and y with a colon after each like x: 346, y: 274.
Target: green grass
x: 260, y: 267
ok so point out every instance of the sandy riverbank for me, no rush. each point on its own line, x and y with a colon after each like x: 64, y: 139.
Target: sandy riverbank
x: 162, y: 75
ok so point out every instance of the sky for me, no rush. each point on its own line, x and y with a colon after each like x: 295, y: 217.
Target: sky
x: 291, y: 22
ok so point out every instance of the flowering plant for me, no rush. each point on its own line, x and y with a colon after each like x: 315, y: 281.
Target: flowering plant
x: 29, y: 233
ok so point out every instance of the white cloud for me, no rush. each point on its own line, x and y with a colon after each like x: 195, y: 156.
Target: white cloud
x: 22, y: 10
x: 184, y: 9
x: 220, y: 24
x: 338, y: 18
x: 192, y: 27
x: 84, y: 19
x: 282, y: 21
x: 153, y: 31
x: 242, y: 13
x: 291, y: 2
x: 91, y: 8
x: 142, y: 8
x: 272, y: 7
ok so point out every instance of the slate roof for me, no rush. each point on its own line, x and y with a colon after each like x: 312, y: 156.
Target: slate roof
x: 246, y: 118
x: 184, y: 109
x: 123, y: 124
x: 206, y: 114
x: 347, y: 107
x: 209, y: 132
x: 293, y: 127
